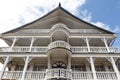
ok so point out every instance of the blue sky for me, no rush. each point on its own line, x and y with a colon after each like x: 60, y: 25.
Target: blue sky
x: 103, y: 13
x: 107, y: 12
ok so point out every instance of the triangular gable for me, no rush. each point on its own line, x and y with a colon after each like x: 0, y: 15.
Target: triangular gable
x: 59, y: 11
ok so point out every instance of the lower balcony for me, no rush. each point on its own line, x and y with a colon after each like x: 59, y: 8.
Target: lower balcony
x: 73, y: 49
x: 58, y: 74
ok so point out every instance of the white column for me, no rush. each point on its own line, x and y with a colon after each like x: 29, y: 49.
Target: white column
x: 87, y: 67
x: 68, y: 39
x: 106, y: 67
x: 93, y: 68
x: 4, y: 66
x: 87, y: 42
x: 32, y: 41
x: 106, y: 45
x: 49, y: 61
x: 69, y: 62
x: 14, y: 40
x: 51, y: 39
x: 115, y: 68
x: 25, y: 67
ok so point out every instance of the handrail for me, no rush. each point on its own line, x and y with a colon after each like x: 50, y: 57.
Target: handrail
x: 63, y: 44
x: 58, y: 73
x: 56, y: 44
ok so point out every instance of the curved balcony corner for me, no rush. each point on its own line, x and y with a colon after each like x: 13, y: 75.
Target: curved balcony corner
x: 57, y: 44
x: 58, y: 73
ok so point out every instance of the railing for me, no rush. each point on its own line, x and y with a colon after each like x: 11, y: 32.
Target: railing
x: 98, y: 49
x: 79, y: 49
x: 113, y: 49
x: 35, y: 75
x: 106, y: 76
x: 39, y: 49
x: 12, y: 75
x: 83, y: 31
x: 59, y: 44
x: 58, y: 73
x: 38, y: 31
x: 78, y: 75
x: 20, y: 49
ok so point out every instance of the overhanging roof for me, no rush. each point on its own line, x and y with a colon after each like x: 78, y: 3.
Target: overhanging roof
x: 57, y: 9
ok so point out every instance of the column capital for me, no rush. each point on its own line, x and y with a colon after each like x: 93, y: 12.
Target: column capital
x: 30, y: 58
x: 32, y: 38
x: 15, y: 39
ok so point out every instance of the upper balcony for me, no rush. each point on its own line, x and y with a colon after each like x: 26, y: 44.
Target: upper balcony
x: 60, y: 44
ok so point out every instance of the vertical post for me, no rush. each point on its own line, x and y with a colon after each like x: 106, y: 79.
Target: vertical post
x: 69, y: 62
x: 68, y: 39
x: 88, y: 46
x: 14, y: 40
x: 51, y: 39
x: 93, y: 68
x: 4, y: 66
x: 32, y: 41
x: 115, y: 68
x: 25, y: 67
x: 106, y: 45
x: 49, y: 61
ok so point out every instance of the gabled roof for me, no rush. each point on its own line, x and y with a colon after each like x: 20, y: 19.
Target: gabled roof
x: 57, y: 9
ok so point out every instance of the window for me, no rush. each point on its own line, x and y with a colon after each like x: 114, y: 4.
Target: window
x: 99, y: 68
x: 110, y: 68
x: 79, y: 68
x: 39, y: 68
x: 19, y: 68
x: 59, y: 65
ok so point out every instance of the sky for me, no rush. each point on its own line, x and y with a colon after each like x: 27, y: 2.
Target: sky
x: 103, y: 13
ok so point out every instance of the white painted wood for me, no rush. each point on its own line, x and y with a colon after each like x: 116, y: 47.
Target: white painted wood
x: 115, y: 68
x: 105, y: 41
x: 87, y: 42
x: 93, y: 68
x: 31, y: 44
x: 25, y: 68
x: 14, y: 40
x: 4, y: 66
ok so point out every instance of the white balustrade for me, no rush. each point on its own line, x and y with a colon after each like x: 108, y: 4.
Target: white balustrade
x: 58, y: 73
x: 83, y: 31
x: 79, y: 49
x: 113, y: 49
x: 12, y: 75
x: 39, y: 49
x: 59, y: 44
x: 63, y: 44
x: 35, y: 75
x: 106, y: 76
x: 20, y: 49
x: 99, y: 49
x: 38, y: 31
x: 79, y: 75
x: 33, y: 31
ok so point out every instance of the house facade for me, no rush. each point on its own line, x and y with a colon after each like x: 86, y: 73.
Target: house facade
x: 59, y: 46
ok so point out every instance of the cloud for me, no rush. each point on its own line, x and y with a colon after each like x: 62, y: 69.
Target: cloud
x: 102, y: 25
x: 85, y: 15
x: 15, y: 13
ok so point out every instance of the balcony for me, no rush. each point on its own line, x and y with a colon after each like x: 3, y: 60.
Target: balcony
x: 61, y: 44
x: 58, y: 44
x: 59, y: 73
